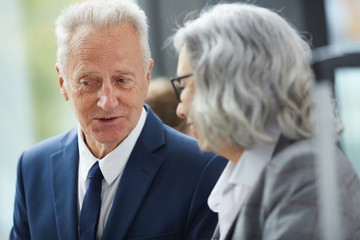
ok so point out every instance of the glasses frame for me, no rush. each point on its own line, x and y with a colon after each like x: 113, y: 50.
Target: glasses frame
x: 179, y: 80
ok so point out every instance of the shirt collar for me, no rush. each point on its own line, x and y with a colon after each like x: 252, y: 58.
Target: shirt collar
x: 113, y: 163
x: 247, y: 170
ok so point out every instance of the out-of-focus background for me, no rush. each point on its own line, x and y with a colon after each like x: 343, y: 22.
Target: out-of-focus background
x: 32, y: 109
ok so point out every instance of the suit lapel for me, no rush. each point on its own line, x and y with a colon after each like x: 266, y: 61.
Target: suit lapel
x: 216, y: 234
x: 64, y: 172
x: 282, y: 143
x: 229, y: 234
x: 136, y: 180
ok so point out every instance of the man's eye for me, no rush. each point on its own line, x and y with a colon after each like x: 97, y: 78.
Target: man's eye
x: 122, y: 80
x: 85, y: 83
x: 89, y: 84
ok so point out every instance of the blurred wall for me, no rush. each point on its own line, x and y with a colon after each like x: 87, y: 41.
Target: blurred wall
x: 15, y: 106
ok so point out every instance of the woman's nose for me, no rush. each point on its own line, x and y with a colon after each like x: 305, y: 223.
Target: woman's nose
x: 179, y: 111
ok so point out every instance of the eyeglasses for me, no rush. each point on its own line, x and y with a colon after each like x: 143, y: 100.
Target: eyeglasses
x: 178, y: 84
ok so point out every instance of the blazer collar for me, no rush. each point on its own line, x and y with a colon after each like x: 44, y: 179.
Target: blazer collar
x: 281, y: 144
x: 139, y: 172
x: 137, y: 177
x: 153, y: 134
x: 64, y: 172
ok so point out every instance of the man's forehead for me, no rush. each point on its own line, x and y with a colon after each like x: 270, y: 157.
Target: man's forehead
x: 92, y: 39
x: 89, y: 31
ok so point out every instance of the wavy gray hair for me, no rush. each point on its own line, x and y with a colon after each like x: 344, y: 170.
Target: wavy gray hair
x: 99, y: 13
x: 250, y: 67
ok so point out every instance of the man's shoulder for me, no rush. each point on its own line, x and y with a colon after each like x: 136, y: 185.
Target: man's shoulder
x: 174, y: 136
x: 180, y: 147
x: 52, y: 144
x: 178, y: 141
x: 164, y: 140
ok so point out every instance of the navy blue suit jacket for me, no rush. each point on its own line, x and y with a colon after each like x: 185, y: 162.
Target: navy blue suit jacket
x: 162, y: 193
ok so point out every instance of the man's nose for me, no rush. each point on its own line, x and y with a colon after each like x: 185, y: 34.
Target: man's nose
x: 108, y: 99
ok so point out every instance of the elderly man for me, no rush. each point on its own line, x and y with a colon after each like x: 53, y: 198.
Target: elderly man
x: 121, y: 174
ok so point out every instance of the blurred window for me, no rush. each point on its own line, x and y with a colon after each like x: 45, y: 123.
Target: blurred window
x: 343, y: 18
x: 347, y: 92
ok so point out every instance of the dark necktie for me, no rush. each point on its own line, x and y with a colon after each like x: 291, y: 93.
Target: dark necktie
x: 90, y: 210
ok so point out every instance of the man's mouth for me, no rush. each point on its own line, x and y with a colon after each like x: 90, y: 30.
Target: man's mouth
x: 107, y: 119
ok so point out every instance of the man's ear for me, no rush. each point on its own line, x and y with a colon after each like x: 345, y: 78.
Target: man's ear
x: 61, y: 83
x: 148, y: 75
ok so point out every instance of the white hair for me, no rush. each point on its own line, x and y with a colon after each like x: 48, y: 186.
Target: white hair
x: 251, y: 67
x: 99, y: 13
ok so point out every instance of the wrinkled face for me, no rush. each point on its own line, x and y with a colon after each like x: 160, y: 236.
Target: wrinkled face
x: 106, y: 83
x: 187, y: 94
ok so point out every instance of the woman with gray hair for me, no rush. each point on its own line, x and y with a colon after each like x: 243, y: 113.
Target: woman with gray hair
x: 244, y: 83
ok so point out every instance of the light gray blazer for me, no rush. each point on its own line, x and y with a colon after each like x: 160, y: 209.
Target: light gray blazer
x: 283, y: 203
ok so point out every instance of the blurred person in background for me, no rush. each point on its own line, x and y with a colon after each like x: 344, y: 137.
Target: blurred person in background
x: 121, y: 174
x: 245, y: 88
x: 162, y: 100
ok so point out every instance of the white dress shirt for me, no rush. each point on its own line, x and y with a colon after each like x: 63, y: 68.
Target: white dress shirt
x: 237, y: 180
x: 112, y: 166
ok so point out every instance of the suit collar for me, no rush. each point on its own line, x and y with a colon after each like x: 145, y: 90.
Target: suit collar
x: 281, y: 144
x: 153, y: 134
x: 64, y: 172
x: 111, y: 165
x: 139, y: 173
